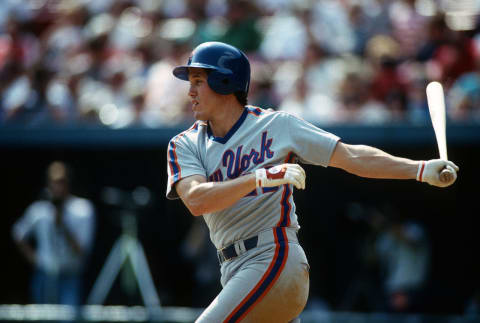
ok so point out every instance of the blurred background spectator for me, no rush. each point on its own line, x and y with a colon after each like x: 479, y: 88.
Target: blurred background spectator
x: 473, y: 305
x: 392, y: 256
x: 108, y: 63
x: 404, y: 255
x: 55, y: 235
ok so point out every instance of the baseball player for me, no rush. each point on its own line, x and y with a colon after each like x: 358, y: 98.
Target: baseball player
x: 236, y: 167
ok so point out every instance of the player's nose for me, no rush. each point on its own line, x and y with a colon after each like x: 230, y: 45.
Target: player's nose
x: 192, y: 91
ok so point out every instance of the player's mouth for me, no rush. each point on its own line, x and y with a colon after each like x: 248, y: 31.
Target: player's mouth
x: 194, y: 104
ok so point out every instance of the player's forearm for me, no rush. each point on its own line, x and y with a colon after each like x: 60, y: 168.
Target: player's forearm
x: 72, y: 241
x: 367, y: 161
x: 27, y: 251
x: 388, y: 167
x: 215, y: 196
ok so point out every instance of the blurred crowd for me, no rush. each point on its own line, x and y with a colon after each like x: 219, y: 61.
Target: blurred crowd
x: 108, y: 63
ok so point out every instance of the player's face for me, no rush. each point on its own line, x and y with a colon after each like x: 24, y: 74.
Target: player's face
x: 204, y: 100
x: 58, y: 188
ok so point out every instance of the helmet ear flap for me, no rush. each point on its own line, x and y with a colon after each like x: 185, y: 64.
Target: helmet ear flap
x: 220, y: 82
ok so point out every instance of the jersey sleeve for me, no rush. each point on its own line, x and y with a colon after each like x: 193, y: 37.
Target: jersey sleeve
x: 311, y: 144
x: 24, y: 226
x: 182, y: 161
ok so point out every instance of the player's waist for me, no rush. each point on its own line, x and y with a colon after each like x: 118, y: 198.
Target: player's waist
x: 263, y: 238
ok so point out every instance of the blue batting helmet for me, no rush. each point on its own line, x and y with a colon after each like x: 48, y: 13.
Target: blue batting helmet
x: 229, y: 67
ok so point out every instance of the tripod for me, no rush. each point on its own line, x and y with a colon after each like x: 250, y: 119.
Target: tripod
x: 127, y: 247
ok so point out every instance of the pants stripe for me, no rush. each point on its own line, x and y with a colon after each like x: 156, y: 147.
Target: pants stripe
x: 267, y: 281
x: 286, y: 207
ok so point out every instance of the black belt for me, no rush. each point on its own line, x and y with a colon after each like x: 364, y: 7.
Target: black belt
x: 229, y: 252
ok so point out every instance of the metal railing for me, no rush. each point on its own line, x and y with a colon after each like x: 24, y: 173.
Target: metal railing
x: 100, y: 313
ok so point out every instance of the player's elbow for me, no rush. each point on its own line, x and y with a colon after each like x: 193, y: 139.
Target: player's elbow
x: 196, y: 211
x: 193, y: 194
x: 196, y: 208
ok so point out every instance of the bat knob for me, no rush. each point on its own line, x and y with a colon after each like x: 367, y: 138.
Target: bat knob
x: 447, y: 175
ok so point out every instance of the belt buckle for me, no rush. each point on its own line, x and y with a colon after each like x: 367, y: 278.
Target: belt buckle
x: 221, y: 256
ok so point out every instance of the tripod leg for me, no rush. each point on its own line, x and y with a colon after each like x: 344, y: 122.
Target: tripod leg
x: 109, y: 272
x: 144, y: 277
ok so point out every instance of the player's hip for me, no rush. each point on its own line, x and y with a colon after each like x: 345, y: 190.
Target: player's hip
x: 269, y: 248
x: 268, y: 283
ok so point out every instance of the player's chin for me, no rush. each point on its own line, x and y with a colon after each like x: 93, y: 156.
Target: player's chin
x: 199, y: 116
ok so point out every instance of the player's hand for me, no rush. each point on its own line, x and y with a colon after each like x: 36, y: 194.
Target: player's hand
x: 281, y: 174
x: 433, y: 168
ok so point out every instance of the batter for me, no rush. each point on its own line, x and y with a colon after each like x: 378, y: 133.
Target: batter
x: 236, y: 167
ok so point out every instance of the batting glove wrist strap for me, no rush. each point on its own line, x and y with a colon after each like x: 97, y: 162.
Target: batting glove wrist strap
x: 260, y: 177
x: 279, y: 175
x: 421, y: 169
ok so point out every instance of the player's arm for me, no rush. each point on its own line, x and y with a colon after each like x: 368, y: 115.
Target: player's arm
x: 20, y: 233
x: 26, y: 250
x: 371, y: 162
x: 77, y: 248
x: 202, y: 197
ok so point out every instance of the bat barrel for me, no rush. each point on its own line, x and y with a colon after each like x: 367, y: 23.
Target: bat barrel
x: 436, y: 107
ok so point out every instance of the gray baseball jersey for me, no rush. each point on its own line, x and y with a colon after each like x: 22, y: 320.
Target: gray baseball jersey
x: 259, y: 139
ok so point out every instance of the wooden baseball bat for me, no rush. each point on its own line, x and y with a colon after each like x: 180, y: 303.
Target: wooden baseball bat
x: 436, y: 106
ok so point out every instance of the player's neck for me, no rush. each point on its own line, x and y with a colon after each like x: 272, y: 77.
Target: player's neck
x: 225, y: 119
